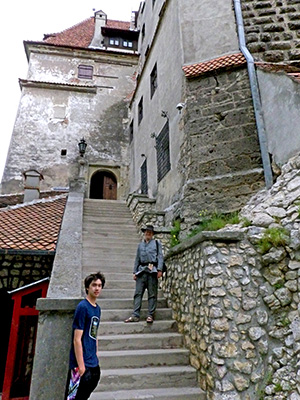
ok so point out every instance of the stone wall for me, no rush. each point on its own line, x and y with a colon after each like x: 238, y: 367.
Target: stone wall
x: 18, y: 270
x: 272, y: 29
x: 238, y: 304
x: 220, y: 156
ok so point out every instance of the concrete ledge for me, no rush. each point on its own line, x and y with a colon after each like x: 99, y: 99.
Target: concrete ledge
x: 216, y: 236
x: 67, y: 304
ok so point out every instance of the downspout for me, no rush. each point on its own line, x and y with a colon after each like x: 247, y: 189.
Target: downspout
x: 255, y: 95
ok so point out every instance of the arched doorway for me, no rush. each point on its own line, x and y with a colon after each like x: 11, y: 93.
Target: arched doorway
x: 103, y: 186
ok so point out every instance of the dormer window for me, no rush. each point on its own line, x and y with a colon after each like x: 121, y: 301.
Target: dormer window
x: 114, y: 42
x: 126, y: 43
x: 85, y: 71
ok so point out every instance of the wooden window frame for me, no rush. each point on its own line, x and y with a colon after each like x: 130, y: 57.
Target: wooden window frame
x: 85, y: 71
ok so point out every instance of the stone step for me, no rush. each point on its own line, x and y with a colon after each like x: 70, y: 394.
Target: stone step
x: 143, y: 358
x: 184, y: 393
x: 121, y: 315
x: 150, y: 377
x: 123, y: 294
x: 166, y: 340
x: 115, y: 304
x: 128, y: 284
x: 120, y: 328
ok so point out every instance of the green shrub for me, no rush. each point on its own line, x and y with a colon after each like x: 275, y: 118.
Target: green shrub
x: 273, y: 237
x: 214, y: 222
x: 175, y: 231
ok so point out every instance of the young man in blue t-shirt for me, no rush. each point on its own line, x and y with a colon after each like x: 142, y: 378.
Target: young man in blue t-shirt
x: 84, y: 371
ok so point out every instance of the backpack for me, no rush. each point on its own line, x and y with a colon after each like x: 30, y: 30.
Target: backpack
x: 164, y: 268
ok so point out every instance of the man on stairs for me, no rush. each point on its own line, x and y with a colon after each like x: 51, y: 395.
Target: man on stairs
x: 84, y: 373
x: 147, y: 269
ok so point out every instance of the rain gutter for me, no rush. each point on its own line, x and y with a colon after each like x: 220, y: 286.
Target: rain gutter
x: 261, y: 131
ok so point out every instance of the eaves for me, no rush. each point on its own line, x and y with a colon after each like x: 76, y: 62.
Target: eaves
x: 57, y: 86
x: 99, y: 55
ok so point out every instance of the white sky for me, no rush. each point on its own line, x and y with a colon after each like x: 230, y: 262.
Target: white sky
x: 29, y: 20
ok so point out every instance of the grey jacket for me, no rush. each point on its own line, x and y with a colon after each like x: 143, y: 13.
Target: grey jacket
x: 147, y: 254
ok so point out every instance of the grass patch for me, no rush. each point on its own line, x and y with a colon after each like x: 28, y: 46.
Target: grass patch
x: 175, y: 231
x: 214, y: 222
x: 273, y: 237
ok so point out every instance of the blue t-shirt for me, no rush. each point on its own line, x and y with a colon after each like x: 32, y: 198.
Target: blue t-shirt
x: 87, y: 319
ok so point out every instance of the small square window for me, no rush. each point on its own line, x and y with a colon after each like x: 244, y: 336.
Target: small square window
x: 130, y: 44
x: 85, y: 71
x: 63, y: 152
x: 125, y: 43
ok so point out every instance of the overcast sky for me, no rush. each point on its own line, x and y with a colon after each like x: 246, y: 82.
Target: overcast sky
x: 29, y: 20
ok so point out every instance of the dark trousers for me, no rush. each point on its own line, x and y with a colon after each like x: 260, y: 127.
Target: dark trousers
x: 88, y: 383
x: 145, y: 281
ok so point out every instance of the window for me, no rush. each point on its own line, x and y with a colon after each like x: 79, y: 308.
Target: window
x: 163, y: 152
x: 126, y: 43
x: 144, y: 178
x: 85, y: 71
x: 153, y: 80
x: 63, y: 152
x: 153, y: 3
x: 143, y: 31
x: 140, y: 110
x: 114, y: 42
x: 131, y: 132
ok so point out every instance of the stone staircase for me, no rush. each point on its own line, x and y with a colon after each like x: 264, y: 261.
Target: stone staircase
x: 137, y: 361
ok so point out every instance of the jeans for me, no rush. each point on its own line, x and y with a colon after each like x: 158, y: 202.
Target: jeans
x: 145, y: 281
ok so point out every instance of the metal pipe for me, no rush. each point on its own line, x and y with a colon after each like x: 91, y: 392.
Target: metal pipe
x: 262, y: 137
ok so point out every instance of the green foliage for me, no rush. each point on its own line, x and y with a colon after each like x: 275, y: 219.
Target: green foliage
x: 277, y: 388
x: 246, y: 222
x: 214, y: 222
x: 175, y: 231
x: 278, y: 285
x: 273, y: 237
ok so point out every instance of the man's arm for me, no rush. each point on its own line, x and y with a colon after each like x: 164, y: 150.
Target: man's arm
x: 136, y: 262
x: 78, y: 350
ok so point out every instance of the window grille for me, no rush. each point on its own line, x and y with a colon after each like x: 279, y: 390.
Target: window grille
x: 85, y: 71
x: 144, y: 178
x: 140, y: 110
x: 131, y: 132
x: 163, y: 152
x: 153, y: 80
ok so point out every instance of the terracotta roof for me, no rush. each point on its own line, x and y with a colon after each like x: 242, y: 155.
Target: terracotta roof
x: 17, y: 198
x: 81, y: 35
x: 33, y: 226
x: 292, y: 71
x: 232, y: 60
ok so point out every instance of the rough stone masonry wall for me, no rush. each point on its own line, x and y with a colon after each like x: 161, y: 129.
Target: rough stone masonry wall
x: 17, y: 270
x: 238, y: 307
x: 220, y: 155
x: 272, y: 29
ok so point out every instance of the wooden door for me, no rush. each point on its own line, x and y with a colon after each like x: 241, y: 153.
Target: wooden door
x: 109, y: 188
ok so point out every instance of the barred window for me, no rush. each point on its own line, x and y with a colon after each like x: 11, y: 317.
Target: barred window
x: 131, y: 131
x: 140, y: 110
x: 153, y: 80
x: 144, y: 178
x: 163, y: 152
x: 85, y: 71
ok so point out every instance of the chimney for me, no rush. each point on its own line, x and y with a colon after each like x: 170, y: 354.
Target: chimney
x: 32, y: 185
x: 100, y: 21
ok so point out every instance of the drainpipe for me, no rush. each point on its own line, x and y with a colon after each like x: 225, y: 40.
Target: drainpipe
x: 255, y: 96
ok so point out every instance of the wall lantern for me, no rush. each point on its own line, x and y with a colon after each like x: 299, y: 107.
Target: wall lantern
x: 82, y: 147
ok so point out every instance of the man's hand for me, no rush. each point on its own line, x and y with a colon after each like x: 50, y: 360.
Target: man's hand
x: 134, y: 277
x: 81, y: 370
x: 159, y: 274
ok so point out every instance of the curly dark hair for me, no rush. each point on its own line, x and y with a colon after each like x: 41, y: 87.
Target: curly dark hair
x: 93, y: 277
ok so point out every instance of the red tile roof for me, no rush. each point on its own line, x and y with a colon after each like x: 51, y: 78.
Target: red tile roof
x: 34, y: 226
x: 81, y: 35
x: 292, y: 71
x: 17, y: 198
x: 232, y: 60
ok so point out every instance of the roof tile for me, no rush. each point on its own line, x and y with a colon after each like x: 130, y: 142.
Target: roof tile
x: 81, y: 34
x: 33, y: 226
x: 232, y: 60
